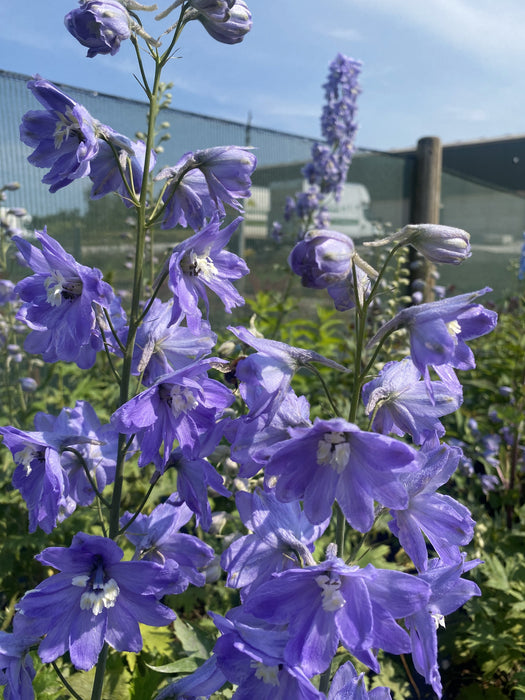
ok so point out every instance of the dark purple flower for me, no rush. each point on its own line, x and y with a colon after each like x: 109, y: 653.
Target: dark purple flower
x: 448, y: 593
x: 157, y: 538
x: 183, y: 406
x: 64, y: 136
x: 95, y: 598
x: 199, y: 262
x: 282, y: 538
x: 400, y: 403
x: 265, y: 376
x: 161, y: 348
x: 100, y: 25
x: 333, y: 602
x: 438, y: 330
x: 446, y: 523
x: 59, y: 303
x: 322, y: 258
x: 105, y: 172
x: 334, y: 460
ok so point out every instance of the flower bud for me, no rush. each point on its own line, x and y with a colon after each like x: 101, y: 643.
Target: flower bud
x: 438, y: 244
x: 100, y: 25
x: 322, y: 258
x: 231, y: 30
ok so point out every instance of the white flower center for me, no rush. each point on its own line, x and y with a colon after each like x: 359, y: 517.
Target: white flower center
x: 66, y: 125
x: 333, y: 451
x: 439, y: 620
x: 454, y: 329
x: 332, y: 598
x: 59, y: 288
x: 25, y: 457
x: 99, y: 595
x: 267, y: 674
x: 200, y: 265
x: 181, y: 400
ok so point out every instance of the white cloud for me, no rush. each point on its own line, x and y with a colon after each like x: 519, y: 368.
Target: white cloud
x: 488, y: 31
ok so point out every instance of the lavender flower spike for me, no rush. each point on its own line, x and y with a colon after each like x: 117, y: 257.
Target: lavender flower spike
x: 94, y: 598
x: 438, y: 330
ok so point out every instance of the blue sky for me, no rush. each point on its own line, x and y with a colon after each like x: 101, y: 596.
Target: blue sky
x: 448, y: 68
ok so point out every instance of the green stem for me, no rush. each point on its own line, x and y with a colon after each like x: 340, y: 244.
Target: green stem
x: 65, y: 683
x: 98, y: 683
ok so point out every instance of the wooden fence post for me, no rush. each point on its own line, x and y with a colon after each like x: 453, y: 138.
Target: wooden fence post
x: 426, y: 203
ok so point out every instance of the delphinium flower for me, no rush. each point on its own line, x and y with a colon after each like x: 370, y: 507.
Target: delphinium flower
x: 446, y: 523
x: 16, y: 665
x: 282, y: 537
x: 59, y: 303
x: 253, y: 441
x: 195, y: 476
x: 182, y: 406
x: 324, y: 259
x: 87, y: 444
x: 39, y: 476
x: 399, y: 402
x: 438, y: 331
x: 437, y: 243
x: 161, y: 348
x: 199, y: 262
x: 265, y: 375
x: 100, y: 25
x: 157, y: 538
x: 448, y: 593
x: 202, y: 182
x: 116, y: 155
x: 331, y: 160
x: 64, y: 136
x: 331, y: 602
x: 334, y: 460
x: 249, y: 654
x: 95, y: 598
x: 347, y: 684
x: 228, y: 28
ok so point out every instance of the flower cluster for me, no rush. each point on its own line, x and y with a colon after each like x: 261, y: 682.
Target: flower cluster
x: 301, y: 477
